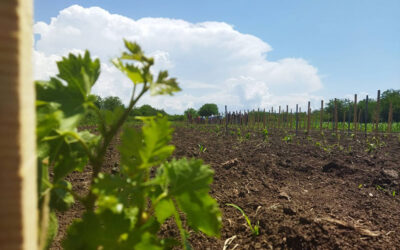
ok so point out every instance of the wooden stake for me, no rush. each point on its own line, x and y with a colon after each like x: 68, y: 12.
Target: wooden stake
x: 18, y: 191
x: 378, y: 100
x: 366, y: 116
x: 355, y: 115
x: 321, y: 116
x: 287, y: 116
x: 336, y: 117
x: 279, y: 118
x: 226, y: 119
x: 308, y: 118
x: 390, y: 118
x: 264, y: 117
x: 297, y: 118
x: 343, y: 120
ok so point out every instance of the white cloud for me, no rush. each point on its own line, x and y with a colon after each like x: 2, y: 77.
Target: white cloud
x: 212, y: 61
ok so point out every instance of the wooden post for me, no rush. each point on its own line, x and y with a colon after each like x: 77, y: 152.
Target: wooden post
x: 226, y: 119
x: 359, y: 118
x: 279, y: 118
x: 366, y: 116
x: 378, y: 100
x: 308, y: 118
x: 297, y: 117
x: 321, y: 116
x: 343, y: 120
x: 264, y: 118
x: 18, y: 191
x: 348, y: 122
x: 355, y: 115
x: 300, y: 117
x: 287, y: 116
x: 390, y: 118
x: 336, y: 117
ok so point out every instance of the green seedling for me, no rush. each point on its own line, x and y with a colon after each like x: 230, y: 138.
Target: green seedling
x: 248, y: 135
x: 287, y: 138
x: 202, y: 149
x: 239, y: 132
x: 254, y: 229
x: 265, y: 134
x: 370, y: 147
x: 360, y: 186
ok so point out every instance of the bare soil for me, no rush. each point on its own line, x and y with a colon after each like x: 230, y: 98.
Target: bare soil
x: 310, y: 192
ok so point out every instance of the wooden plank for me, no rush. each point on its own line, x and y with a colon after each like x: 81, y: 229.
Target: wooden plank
x: 18, y: 210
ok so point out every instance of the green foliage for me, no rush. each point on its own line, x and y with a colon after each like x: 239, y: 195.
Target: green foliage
x: 202, y: 149
x: 265, y: 134
x: 176, y: 118
x: 192, y: 112
x: 208, y: 109
x: 146, y: 110
x: 288, y: 138
x: 254, y: 229
x: 124, y: 211
x: 111, y: 103
x: 374, y: 144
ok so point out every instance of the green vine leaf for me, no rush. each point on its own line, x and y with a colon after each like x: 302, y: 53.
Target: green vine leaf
x: 164, y: 85
x: 61, y: 198
x: 189, y: 182
x: 140, y: 150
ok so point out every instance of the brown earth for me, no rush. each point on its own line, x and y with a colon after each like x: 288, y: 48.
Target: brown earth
x: 317, y: 192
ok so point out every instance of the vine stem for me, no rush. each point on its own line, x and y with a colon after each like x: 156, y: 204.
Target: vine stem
x: 180, y: 226
x: 97, y: 161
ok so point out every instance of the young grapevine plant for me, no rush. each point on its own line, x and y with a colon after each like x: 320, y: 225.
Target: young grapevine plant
x: 124, y: 210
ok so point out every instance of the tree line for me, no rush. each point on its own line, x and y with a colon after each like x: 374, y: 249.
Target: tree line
x: 345, y: 108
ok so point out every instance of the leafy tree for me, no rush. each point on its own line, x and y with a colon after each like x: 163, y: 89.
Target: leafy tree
x: 390, y: 96
x: 343, y: 105
x: 208, y: 109
x: 192, y: 112
x: 111, y: 103
x: 147, y: 110
x: 98, y: 101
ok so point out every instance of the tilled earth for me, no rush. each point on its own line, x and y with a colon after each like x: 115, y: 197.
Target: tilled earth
x: 316, y: 192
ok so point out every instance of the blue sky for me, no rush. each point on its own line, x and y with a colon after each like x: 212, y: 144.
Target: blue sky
x: 354, y: 45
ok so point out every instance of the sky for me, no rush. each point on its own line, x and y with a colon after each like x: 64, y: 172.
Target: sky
x: 244, y: 54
